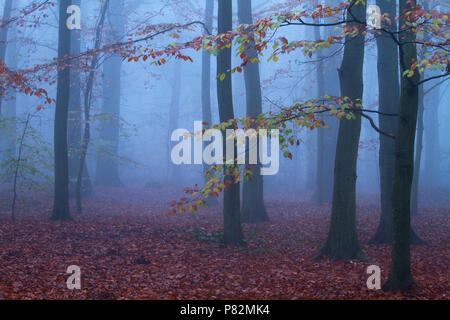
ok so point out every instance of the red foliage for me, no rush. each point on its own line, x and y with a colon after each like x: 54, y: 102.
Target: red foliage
x: 134, y: 250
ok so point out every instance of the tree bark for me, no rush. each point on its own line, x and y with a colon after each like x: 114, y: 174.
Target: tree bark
x: 8, y: 107
x: 87, y: 106
x: 3, y: 41
x: 174, y: 115
x: 327, y: 83
x: 107, y: 167
x: 431, y: 119
x: 231, y: 200
x: 418, y: 156
x: 75, y: 119
x: 342, y: 242
x: 61, y: 193
x: 400, y: 277
x: 431, y: 128
x: 206, y: 87
x: 253, y: 209
x: 389, y: 97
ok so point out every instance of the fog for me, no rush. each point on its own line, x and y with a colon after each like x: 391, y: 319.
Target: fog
x: 148, y: 94
x: 135, y: 105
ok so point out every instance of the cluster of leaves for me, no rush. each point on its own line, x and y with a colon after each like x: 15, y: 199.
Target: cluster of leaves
x: 32, y: 162
x: 434, y: 24
x: 431, y: 29
x: 300, y: 115
x: 17, y: 81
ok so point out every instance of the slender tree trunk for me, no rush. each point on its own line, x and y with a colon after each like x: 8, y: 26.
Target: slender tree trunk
x: 400, y: 277
x: 9, y: 106
x: 327, y: 83
x: 418, y: 157
x: 87, y: 106
x: 253, y: 209
x: 342, y: 242
x: 431, y: 119
x: 174, y: 115
x: 432, y: 155
x: 75, y: 119
x: 3, y: 41
x: 61, y: 195
x: 206, y: 87
x: 107, y: 167
x: 231, y: 201
x: 319, y: 185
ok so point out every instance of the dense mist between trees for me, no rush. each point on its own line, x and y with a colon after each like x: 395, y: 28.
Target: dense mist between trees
x: 100, y: 132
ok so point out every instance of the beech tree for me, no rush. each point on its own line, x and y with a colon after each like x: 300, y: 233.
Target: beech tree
x: 206, y: 86
x: 400, y: 277
x: 107, y: 165
x: 75, y: 117
x: 253, y: 209
x: 3, y: 41
x: 87, y: 105
x: 9, y: 52
x: 327, y: 83
x: 231, y: 197
x: 61, y: 195
x: 389, y: 98
x: 174, y: 115
x: 342, y: 241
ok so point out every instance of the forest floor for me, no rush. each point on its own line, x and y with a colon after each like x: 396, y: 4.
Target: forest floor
x: 128, y: 247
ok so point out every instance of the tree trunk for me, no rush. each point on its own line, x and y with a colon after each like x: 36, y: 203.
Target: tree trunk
x: 400, y: 277
x: 389, y: 97
x: 174, y: 114
x: 8, y: 108
x: 75, y: 119
x: 431, y: 119
x: 87, y: 106
x: 432, y: 156
x: 231, y: 200
x: 253, y: 209
x: 418, y: 157
x: 327, y: 83
x: 3, y: 41
x: 342, y: 242
x: 61, y: 195
x: 107, y: 167
x: 206, y: 87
